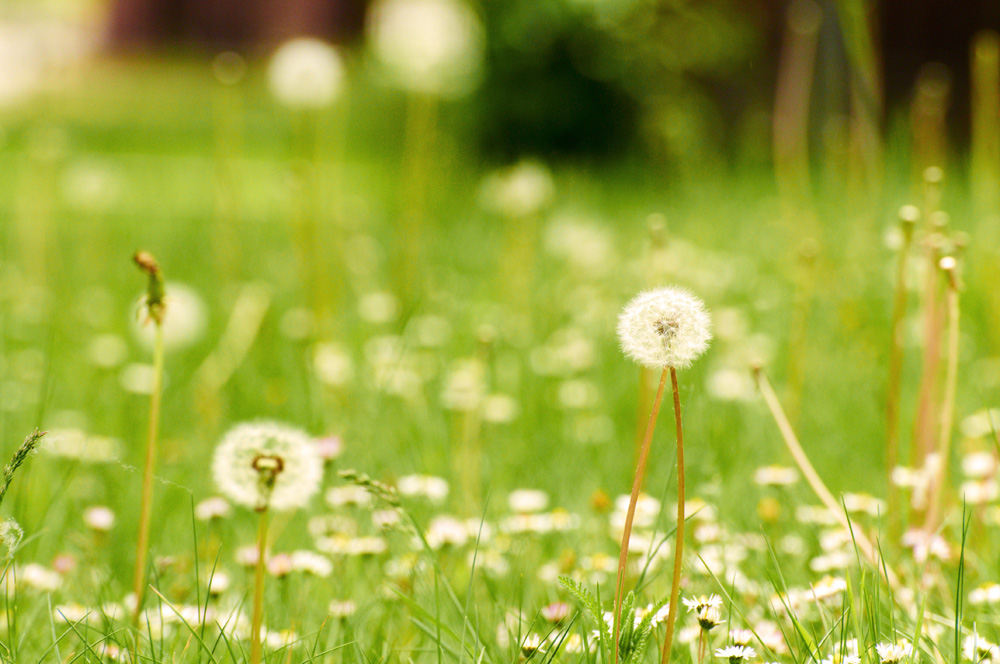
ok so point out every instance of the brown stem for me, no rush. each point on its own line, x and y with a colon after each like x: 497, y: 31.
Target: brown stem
x: 947, y: 405
x: 640, y: 471
x: 675, y: 584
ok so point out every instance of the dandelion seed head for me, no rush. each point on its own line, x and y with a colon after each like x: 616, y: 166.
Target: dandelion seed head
x: 306, y: 73
x: 267, y: 465
x: 429, y: 46
x: 667, y: 327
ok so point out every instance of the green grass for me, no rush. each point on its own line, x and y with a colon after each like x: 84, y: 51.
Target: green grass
x: 146, y: 133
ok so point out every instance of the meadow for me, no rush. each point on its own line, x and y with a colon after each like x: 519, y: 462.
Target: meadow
x: 445, y: 330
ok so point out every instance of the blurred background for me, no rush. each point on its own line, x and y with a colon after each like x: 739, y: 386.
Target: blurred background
x: 670, y: 79
x: 412, y: 223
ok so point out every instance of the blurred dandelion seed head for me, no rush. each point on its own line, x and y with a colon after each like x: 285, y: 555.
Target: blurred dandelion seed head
x: 306, y: 73
x: 267, y: 465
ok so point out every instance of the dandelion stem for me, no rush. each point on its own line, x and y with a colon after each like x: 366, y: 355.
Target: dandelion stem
x: 640, y: 471
x: 802, y: 461
x: 948, y: 404
x: 155, y: 308
x: 258, y: 588
x: 896, y: 366
x: 675, y: 584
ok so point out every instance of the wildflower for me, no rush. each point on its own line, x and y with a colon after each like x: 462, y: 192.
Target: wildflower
x: 332, y: 364
x: 434, y: 489
x: 306, y: 73
x: 668, y: 327
x: 266, y: 465
x: 99, y: 518
x: 555, y: 612
x: 446, y: 531
x: 280, y: 565
x: 736, y: 654
x: 500, y: 408
x: 212, y: 508
x: 709, y: 617
x: 892, y: 653
x: 519, y: 191
x: 350, y: 495
x: 697, y: 604
x: 828, y: 587
x: 776, y: 476
x: 219, y: 583
x: 977, y: 649
x: 533, y: 643
x: 988, y: 593
x: 39, y: 578
x: 78, y: 445
x: 526, y: 501
x: 329, y: 447
x: 342, y: 608
x: 311, y: 563
x: 740, y: 637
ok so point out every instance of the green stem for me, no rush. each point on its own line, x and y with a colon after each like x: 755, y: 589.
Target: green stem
x: 146, y: 507
x: 675, y: 584
x: 258, y: 589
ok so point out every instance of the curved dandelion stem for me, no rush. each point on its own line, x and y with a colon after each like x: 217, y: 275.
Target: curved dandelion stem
x: 640, y: 471
x: 802, y: 461
x: 675, y: 584
x: 258, y: 589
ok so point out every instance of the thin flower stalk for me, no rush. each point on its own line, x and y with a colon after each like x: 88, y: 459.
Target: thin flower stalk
x: 813, y: 478
x: 675, y: 583
x: 908, y: 215
x: 640, y: 472
x: 155, y: 308
x: 948, y: 266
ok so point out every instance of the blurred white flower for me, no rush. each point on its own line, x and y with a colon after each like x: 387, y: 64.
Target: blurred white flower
x: 519, y: 191
x: 433, y: 488
x: 99, y: 518
x: 526, y: 501
x: 215, y: 507
x: 306, y: 73
x: 428, y: 46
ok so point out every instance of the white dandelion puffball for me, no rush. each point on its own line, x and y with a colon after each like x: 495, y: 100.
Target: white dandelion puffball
x: 429, y: 46
x: 251, y: 450
x: 667, y: 327
x: 306, y: 73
